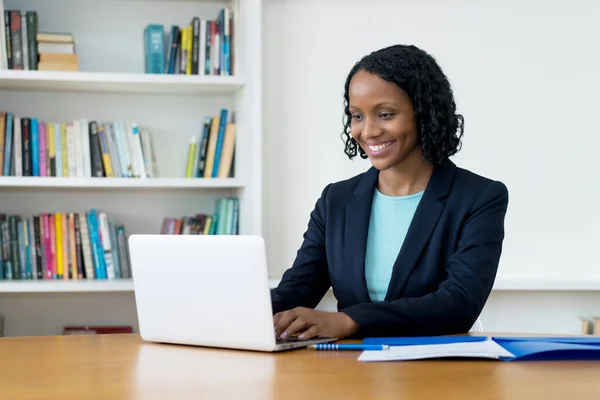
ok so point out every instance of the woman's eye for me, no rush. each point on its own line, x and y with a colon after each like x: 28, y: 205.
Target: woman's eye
x: 356, y: 117
x: 386, y: 115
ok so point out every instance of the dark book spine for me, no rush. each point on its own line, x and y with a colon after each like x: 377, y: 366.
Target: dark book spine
x: 232, y: 49
x: 69, y: 273
x: 32, y: 29
x: 51, y: 153
x: 43, y: 267
x: 2, y: 275
x: 204, y: 147
x: 9, y: 56
x: 17, y: 39
x: 6, y: 249
x: 26, y: 146
x: 221, y: 49
x: 14, y: 246
x: 38, y: 246
x: 78, y: 250
x: 123, y: 252
x: 177, y: 64
x: 195, y: 44
x: 95, y: 154
x: 217, y: 49
x: 209, y: 39
x: 173, y: 49
x: 47, y: 154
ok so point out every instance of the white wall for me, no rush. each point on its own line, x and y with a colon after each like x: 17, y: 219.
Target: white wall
x: 524, y: 77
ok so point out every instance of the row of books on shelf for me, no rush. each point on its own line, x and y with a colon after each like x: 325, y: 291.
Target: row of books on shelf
x: 225, y: 221
x: 23, y: 46
x: 202, y: 47
x: 63, y: 245
x: 84, y: 149
x: 90, y: 245
x: 211, y: 154
x: 78, y: 148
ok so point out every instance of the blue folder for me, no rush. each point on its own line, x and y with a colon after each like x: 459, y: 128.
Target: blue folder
x: 418, y: 340
x: 527, y: 348
x: 593, y: 340
x: 531, y: 350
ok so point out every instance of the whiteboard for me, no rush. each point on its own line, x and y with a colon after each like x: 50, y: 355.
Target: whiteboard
x: 526, y: 78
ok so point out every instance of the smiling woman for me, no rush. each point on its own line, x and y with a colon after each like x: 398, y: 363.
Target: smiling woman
x: 410, y: 247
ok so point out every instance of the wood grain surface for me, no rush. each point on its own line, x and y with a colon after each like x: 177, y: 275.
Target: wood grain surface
x: 124, y: 367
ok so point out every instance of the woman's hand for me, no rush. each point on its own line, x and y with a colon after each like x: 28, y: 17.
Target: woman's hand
x: 308, y: 323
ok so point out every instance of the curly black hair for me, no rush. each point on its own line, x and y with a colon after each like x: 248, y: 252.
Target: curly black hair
x: 416, y: 72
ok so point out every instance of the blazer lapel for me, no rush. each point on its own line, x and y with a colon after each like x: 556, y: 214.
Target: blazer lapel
x: 424, y: 221
x: 358, y: 214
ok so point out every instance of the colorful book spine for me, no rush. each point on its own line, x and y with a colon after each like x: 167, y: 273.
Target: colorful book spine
x: 42, y: 150
x: 8, y: 140
x: 95, y: 242
x: 35, y: 147
x: 154, y: 48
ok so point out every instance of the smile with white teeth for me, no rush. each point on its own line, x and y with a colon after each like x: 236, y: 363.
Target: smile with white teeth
x: 379, y: 146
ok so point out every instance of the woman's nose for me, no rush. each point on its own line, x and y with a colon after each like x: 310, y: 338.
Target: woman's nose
x: 370, y: 129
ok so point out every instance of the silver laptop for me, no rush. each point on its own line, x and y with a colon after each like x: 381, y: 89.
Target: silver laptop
x: 205, y: 290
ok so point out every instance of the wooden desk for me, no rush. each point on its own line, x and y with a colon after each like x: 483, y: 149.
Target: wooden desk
x: 123, y: 367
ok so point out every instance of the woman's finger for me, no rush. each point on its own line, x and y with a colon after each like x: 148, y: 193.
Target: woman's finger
x: 299, y: 324
x: 309, y: 333
x: 277, y: 317
x: 284, y: 321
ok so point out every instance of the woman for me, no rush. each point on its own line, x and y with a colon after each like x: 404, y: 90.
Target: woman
x: 411, y: 246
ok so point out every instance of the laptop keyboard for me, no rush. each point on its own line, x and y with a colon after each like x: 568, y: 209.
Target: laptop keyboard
x: 291, y: 339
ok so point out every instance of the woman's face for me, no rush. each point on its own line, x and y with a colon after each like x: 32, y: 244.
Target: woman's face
x: 383, y: 120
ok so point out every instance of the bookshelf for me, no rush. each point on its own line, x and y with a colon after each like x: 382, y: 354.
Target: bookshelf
x: 111, y: 85
x: 118, y: 82
x: 116, y: 183
x: 120, y: 285
x: 117, y: 285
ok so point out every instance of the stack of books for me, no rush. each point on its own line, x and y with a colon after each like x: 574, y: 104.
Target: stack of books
x: 56, y: 52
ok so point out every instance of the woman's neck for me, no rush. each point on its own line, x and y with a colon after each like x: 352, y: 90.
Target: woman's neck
x: 411, y: 176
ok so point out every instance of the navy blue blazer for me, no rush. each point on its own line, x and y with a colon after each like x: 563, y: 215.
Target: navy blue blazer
x: 445, y: 269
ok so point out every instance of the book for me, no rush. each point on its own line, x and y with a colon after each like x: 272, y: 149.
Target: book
x: 494, y: 348
x: 96, y: 330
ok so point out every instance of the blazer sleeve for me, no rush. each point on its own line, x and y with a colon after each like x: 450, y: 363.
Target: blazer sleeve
x: 307, y: 281
x: 456, y: 304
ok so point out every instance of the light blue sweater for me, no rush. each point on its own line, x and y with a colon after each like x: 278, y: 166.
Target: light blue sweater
x: 390, y: 218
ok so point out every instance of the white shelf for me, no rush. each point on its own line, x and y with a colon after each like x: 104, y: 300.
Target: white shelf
x: 58, y: 286
x: 115, y: 183
x: 126, y: 285
x: 118, y: 82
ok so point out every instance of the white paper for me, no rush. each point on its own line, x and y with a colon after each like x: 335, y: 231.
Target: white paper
x: 483, y: 349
